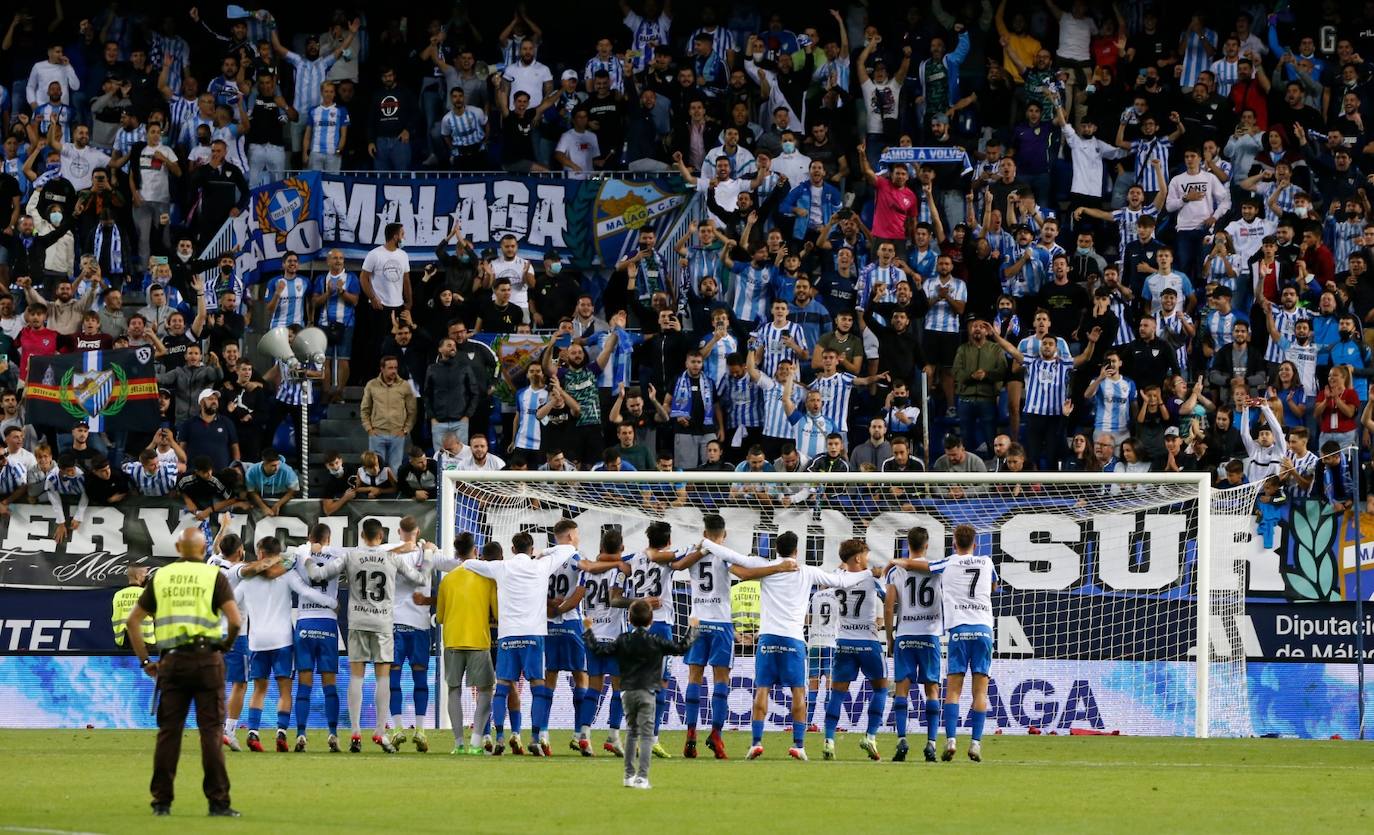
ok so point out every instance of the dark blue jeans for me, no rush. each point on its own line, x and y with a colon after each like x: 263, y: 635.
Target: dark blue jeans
x: 977, y: 421
x: 1189, y: 256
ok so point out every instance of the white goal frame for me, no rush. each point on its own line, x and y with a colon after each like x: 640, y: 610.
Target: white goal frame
x: 1201, y: 481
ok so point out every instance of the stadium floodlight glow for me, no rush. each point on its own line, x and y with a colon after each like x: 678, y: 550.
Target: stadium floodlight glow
x: 1113, y: 578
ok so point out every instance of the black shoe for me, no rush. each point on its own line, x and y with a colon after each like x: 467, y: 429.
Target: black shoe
x: 161, y: 810
x: 225, y: 812
x: 899, y: 755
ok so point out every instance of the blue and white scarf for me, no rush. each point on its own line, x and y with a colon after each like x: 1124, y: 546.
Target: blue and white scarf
x: 682, y: 399
x: 116, y: 265
x: 920, y: 156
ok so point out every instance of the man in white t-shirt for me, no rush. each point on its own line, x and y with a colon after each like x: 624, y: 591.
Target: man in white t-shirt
x: 385, y: 275
x: 527, y: 76
x: 578, y: 151
x: 479, y: 457
x: 79, y: 157
x: 509, y: 264
x: 151, y: 187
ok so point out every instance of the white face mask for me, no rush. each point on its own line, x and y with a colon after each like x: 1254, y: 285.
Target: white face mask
x: 336, y: 471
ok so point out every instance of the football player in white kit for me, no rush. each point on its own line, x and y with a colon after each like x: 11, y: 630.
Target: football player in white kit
x: 784, y: 588
x: 913, y: 622
x: 227, y: 556
x: 822, y: 626
x: 268, y: 597
x: 412, y: 633
x: 606, y: 611
x: 650, y: 578
x: 317, y: 638
x: 857, y: 649
x: 966, y: 582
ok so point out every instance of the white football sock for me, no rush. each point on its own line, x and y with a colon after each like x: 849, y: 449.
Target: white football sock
x: 355, y: 703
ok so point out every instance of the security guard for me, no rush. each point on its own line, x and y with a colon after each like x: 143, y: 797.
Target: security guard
x: 123, y: 603
x: 187, y: 598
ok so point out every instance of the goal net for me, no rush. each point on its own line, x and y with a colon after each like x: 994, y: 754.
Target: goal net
x: 1118, y: 605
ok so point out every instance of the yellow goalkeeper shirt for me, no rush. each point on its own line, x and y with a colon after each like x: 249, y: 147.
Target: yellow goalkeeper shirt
x: 466, y: 609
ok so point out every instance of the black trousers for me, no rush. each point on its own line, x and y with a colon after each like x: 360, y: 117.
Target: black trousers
x: 186, y: 678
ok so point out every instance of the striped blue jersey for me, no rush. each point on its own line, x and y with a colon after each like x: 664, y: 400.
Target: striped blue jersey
x: 810, y: 431
x: 1029, y: 346
x: 1144, y: 150
x: 219, y: 284
x: 1219, y: 326
x: 714, y: 365
x: 1119, y: 308
x: 12, y: 477
x: 1216, y: 270
x: 750, y: 294
x: 873, y: 275
x: 1286, y: 321
x: 1112, y: 405
x: 833, y: 74
x: 464, y: 130
x: 1000, y: 242
x: 703, y: 261
x: 619, y: 367
x: 765, y: 187
x: 291, y: 389
x: 1227, y: 73
x: 775, y: 423
x: 722, y: 39
x: 922, y: 261
x: 769, y: 337
x: 161, y: 481
x: 528, y: 402
x: 326, y: 128
x: 190, y: 122
x: 336, y: 309
x: 645, y: 36
x: 1047, y: 385
x: 1341, y: 237
x: 1173, y: 325
x: 1028, y: 280
x: 835, y: 391
x: 290, y: 294
x: 44, y: 115
x: 1126, y: 229
x: 309, y: 76
x: 69, y: 486
x: 942, y: 317
x: 613, y: 68
x: 1195, y: 58
x: 124, y: 141
x: 742, y: 401
x: 1285, y: 198
x: 1306, y: 464
x: 172, y: 52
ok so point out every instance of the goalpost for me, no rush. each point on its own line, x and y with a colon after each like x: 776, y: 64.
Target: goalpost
x: 1119, y: 599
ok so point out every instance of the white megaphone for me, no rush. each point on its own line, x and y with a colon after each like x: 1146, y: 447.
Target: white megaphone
x: 276, y: 343
x: 310, y: 344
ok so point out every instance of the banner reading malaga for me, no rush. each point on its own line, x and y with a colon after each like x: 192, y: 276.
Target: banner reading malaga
x: 110, y: 390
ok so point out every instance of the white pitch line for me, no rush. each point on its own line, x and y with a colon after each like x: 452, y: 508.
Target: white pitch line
x: 38, y: 831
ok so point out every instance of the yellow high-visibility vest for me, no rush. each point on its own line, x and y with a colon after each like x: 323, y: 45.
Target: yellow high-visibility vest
x: 184, y: 591
x: 124, y: 601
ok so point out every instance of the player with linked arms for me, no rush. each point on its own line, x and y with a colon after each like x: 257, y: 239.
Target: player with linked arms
x: 649, y: 578
x: 785, y: 589
x: 913, y: 622
x: 966, y: 582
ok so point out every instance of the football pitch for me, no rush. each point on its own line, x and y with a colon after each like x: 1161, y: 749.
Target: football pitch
x: 97, y: 781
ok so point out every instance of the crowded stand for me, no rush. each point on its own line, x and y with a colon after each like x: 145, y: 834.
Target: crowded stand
x: 944, y: 235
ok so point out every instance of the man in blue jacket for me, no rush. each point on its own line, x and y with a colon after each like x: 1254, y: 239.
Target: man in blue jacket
x: 812, y: 203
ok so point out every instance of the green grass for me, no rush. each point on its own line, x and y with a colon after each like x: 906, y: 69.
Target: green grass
x: 96, y: 781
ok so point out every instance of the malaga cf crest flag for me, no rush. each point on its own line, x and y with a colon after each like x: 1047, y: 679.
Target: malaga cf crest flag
x: 110, y: 390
